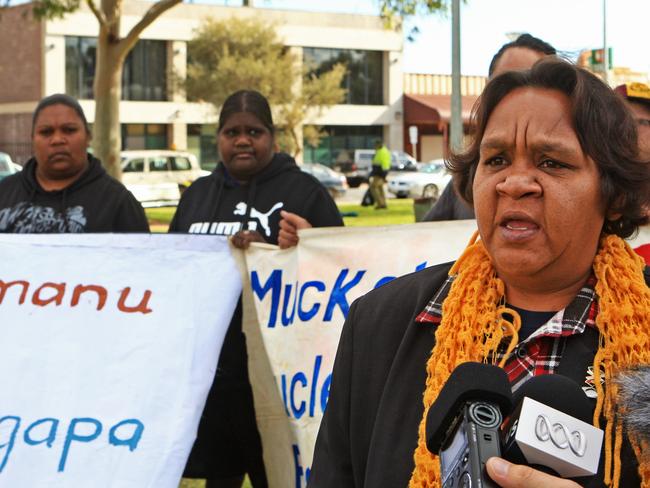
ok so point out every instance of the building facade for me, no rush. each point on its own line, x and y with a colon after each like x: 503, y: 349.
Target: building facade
x: 427, y: 106
x: 58, y: 56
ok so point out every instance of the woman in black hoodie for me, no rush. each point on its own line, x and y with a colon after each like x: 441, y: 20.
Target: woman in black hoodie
x: 63, y: 189
x: 254, y: 195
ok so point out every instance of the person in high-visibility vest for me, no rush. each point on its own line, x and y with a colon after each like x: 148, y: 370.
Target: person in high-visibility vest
x: 380, y: 168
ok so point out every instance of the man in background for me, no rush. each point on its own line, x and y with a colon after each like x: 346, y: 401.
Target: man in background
x: 380, y: 168
x: 637, y: 98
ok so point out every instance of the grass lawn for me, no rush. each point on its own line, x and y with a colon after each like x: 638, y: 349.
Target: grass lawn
x: 398, y: 212
x: 159, y: 219
x: 185, y: 483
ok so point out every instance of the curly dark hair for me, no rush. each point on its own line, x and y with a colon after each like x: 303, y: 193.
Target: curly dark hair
x: 599, y: 116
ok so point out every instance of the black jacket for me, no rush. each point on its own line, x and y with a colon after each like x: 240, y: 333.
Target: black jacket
x: 449, y: 207
x: 217, y: 204
x: 370, y: 428
x: 95, y: 202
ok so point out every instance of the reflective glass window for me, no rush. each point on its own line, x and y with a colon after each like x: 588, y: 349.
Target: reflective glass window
x: 144, y: 75
x: 180, y: 164
x: 160, y: 163
x: 144, y: 136
x: 134, y: 166
x: 364, y: 78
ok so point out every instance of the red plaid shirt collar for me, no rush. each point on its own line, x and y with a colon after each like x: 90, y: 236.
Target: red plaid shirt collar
x: 541, y: 352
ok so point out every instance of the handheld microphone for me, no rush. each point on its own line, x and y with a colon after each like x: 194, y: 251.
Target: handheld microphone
x: 635, y: 399
x: 463, y: 423
x: 550, y: 428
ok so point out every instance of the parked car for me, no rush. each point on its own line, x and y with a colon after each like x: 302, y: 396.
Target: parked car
x: 400, y: 161
x: 7, y: 166
x: 358, y: 171
x: 156, y: 176
x: 428, y: 181
x: 335, y: 182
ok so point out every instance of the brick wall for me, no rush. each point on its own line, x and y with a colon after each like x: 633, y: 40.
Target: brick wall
x: 21, y: 55
x: 15, y: 139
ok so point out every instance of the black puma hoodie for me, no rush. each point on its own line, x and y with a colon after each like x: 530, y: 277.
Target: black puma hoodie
x: 95, y: 202
x: 218, y: 204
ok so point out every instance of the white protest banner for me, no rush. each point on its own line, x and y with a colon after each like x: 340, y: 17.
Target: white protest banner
x: 295, y: 302
x: 108, y: 347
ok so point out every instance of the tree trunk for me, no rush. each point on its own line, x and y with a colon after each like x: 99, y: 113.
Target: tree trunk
x: 107, y: 139
x: 297, y: 146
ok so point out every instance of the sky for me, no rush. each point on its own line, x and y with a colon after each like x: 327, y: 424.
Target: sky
x: 569, y: 25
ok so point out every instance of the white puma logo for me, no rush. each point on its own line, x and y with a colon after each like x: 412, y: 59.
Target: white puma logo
x: 263, y: 218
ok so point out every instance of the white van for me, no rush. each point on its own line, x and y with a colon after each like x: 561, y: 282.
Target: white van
x: 7, y: 166
x: 154, y: 176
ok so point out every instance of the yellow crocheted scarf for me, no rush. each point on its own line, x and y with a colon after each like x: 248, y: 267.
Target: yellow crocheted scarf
x: 477, y: 297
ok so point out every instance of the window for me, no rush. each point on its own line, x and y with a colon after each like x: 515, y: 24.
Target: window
x: 144, y: 136
x: 144, y: 76
x: 181, y: 164
x: 339, y: 144
x: 145, y: 72
x: 159, y: 163
x: 202, y: 142
x: 80, y: 55
x: 364, y: 78
x: 134, y: 166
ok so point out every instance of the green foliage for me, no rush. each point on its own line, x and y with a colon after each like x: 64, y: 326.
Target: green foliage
x: 392, y: 11
x: 317, y: 92
x: 412, y: 7
x: 48, y: 9
x: 52, y: 9
x: 235, y: 54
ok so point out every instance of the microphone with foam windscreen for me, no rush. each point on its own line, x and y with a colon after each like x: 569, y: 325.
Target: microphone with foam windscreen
x: 635, y: 401
x: 463, y: 423
x: 550, y: 428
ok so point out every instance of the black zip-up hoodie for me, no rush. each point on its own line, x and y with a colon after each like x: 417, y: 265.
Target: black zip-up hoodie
x: 95, y: 202
x: 218, y: 204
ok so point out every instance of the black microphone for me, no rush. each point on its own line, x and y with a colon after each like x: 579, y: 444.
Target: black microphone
x: 635, y: 401
x: 463, y: 423
x: 550, y: 428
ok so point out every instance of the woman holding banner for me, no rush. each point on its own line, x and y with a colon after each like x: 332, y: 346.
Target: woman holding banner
x: 254, y: 195
x: 547, y: 286
x: 63, y: 188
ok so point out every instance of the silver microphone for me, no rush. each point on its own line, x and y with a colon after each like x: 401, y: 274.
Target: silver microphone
x: 550, y: 428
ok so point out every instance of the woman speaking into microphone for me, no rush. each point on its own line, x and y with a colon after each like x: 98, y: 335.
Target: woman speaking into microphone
x: 547, y: 286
